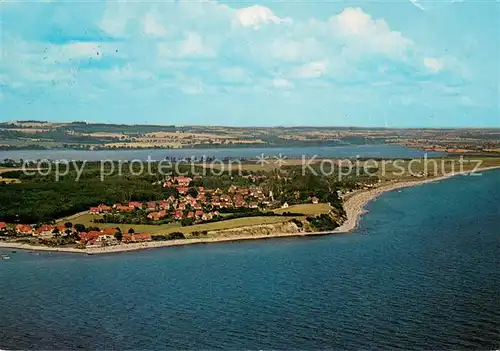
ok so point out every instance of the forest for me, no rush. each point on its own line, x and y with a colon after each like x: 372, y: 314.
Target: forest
x: 40, y: 198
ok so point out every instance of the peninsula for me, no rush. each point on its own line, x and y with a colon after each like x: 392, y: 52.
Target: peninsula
x: 260, y: 203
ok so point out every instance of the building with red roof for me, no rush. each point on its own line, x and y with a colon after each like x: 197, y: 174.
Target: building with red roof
x: 141, y: 237
x: 126, y: 238
x: 124, y: 208
x: 135, y: 204
x: 24, y: 229
x: 109, y: 231
x: 44, y: 230
x: 152, y: 205
x: 182, y: 180
x: 182, y: 189
x: 198, y: 213
x: 178, y: 214
x: 86, y: 237
x: 105, y: 208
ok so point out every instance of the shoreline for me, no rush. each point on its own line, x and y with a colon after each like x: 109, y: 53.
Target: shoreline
x: 354, y: 207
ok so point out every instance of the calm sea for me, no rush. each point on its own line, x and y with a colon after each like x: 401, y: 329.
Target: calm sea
x: 422, y: 272
x: 365, y: 151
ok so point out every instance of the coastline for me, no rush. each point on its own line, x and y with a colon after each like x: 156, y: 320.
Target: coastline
x: 354, y: 207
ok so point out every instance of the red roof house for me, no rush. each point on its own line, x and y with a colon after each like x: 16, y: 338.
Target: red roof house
x: 24, y: 229
x: 86, y: 237
x: 124, y: 208
x: 183, y: 180
x: 182, y: 189
x: 105, y: 208
x: 178, y: 214
x: 109, y: 231
x: 141, y: 237
x: 155, y: 216
x: 45, y: 229
x: 135, y: 204
x: 126, y: 237
x: 198, y: 213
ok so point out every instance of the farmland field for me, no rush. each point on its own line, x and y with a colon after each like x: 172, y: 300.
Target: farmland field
x: 306, y: 209
x: 86, y: 219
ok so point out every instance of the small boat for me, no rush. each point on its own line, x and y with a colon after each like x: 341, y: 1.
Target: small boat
x: 5, y: 257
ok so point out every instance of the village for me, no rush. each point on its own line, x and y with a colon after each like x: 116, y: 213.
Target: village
x: 187, y: 205
x: 104, y: 237
x: 195, y: 203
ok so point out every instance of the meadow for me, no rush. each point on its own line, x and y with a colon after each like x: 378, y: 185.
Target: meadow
x: 87, y: 220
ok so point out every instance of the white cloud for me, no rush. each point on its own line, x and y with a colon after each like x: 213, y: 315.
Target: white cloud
x: 281, y: 83
x: 363, y: 34
x: 206, y: 29
x: 163, y: 49
x: 383, y: 69
x: 116, y: 17
x: 417, y: 4
x: 433, y: 64
x: 80, y: 50
x: 235, y: 75
x: 426, y: 5
x: 381, y: 83
x: 194, y: 46
x: 295, y: 50
x: 193, y: 86
x: 312, y: 70
x: 257, y: 15
x: 354, y: 21
x: 128, y: 73
x: 466, y: 101
x: 152, y: 27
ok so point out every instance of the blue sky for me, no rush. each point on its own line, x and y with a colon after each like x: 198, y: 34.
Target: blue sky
x: 405, y: 63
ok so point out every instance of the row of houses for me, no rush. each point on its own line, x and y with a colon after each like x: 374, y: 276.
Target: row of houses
x: 91, y: 238
x: 198, y: 207
x: 44, y: 230
x: 107, y: 237
x: 181, y: 183
x: 204, y: 205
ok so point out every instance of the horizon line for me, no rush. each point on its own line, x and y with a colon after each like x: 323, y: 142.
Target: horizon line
x: 244, y: 126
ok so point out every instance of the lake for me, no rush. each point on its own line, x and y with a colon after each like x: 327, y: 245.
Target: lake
x: 365, y: 151
x: 421, y: 272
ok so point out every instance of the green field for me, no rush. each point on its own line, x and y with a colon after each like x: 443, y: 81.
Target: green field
x: 86, y: 219
x: 254, y: 166
x: 26, y: 142
x: 306, y: 209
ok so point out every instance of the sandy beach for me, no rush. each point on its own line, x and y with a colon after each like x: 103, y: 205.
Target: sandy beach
x: 354, y: 207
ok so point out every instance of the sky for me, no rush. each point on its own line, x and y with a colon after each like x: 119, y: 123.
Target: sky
x: 398, y: 63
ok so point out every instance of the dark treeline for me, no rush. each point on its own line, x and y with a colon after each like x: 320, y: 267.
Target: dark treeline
x: 45, y: 201
x: 40, y: 198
